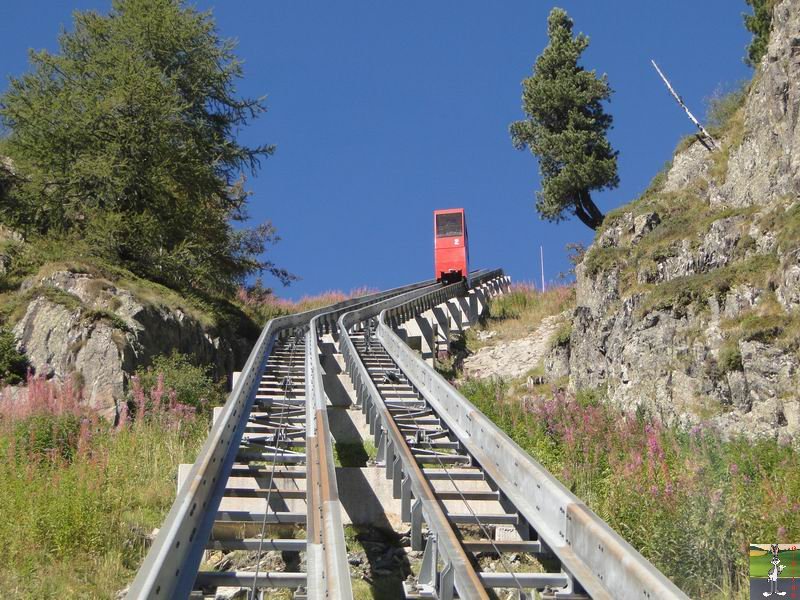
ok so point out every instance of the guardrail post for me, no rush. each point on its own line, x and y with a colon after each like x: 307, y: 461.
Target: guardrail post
x: 446, y: 583
x: 405, y: 499
x: 397, y: 482
x: 381, y: 444
x: 430, y: 562
x: 416, y: 525
x: 441, y: 338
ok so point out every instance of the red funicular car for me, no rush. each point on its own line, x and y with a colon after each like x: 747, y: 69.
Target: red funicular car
x: 450, y: 245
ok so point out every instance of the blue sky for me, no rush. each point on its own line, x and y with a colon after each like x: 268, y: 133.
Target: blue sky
x: 383, y: 111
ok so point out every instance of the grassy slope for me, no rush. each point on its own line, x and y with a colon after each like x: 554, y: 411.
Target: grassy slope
x: 690, y: 501
x: 521, y: 311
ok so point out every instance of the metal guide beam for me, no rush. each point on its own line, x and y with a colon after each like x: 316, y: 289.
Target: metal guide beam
x: 328, y: 569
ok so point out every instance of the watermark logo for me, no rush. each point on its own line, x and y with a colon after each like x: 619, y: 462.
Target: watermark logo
x: 774, y: 570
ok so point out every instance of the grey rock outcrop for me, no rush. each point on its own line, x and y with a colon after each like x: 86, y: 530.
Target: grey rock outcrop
x: 694, y: 323
x: 766, y: 167
x: 101, y: 333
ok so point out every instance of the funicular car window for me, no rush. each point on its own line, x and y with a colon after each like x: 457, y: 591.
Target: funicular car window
x: 448, y: 225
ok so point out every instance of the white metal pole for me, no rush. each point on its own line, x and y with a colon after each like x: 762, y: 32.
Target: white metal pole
x: 541, y: 259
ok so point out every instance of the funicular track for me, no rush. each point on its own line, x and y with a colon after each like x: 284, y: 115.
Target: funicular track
x: 465, y: 480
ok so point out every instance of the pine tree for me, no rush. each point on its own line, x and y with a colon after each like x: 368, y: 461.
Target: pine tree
x: 566, y: 127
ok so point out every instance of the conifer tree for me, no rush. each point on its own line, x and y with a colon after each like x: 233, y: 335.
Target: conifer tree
x: 566, y: 127
x: 760, y: 25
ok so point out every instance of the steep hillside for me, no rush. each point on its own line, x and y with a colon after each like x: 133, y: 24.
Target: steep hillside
x: 688, y: 301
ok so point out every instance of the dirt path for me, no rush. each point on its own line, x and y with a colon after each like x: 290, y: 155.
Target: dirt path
x: 514, y: 358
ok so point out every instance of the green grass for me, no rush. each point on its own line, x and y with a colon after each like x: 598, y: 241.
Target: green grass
x: 376, y: 587
x: 354, y: 454
x: 562, y: 335
x: 40, y: 257
x: 786, y: 225
x: 520, y: 312
x: 678, y: 294
x: 768, y: 322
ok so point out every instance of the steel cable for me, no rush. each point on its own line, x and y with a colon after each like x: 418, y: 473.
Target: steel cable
x: 277, y: 438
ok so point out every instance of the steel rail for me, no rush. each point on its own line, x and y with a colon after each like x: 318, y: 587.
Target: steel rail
x: 460, y: 494
x: 595, y: 556
x: 170, y: 568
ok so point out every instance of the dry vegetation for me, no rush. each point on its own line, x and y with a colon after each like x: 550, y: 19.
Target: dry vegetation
x: 520, y: 312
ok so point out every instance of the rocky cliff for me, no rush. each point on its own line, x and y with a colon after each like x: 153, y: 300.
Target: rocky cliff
x: 75, y: 321
x: 688, y: 301
x: 77, y: 324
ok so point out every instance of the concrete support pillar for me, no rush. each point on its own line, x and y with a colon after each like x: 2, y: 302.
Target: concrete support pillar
x: 441, y: 335
x: 413, y: 332
x: 481, y: 302
x: 426, y: 323
x: 476, y: 302
x: 456, y: 313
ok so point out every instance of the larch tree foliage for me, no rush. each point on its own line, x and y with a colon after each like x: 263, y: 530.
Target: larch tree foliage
x: 126, y: 138
x: 566, y: 127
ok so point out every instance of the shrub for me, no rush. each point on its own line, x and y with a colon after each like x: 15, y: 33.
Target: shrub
x: 730, y: 358
x: 192, y: 385
x: 760, y: 25
x: 13, y: 364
